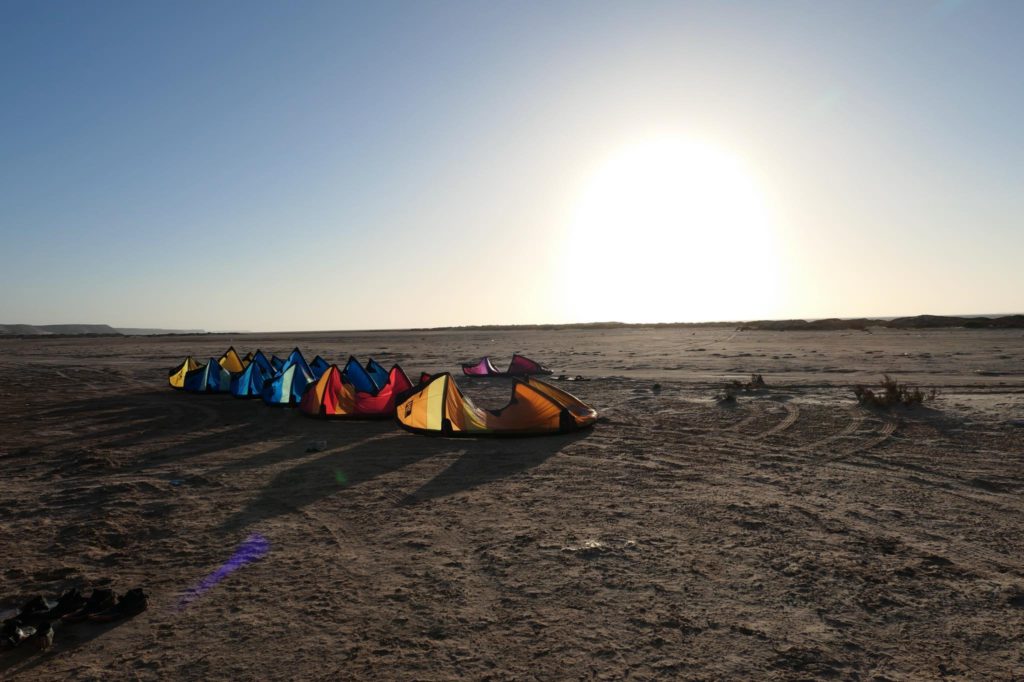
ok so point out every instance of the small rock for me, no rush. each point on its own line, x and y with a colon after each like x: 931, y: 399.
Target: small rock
x: 317, y: 446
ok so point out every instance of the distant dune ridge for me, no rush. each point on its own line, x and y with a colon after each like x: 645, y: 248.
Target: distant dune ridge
x: 915, y: 322
x: 85, y: 330
x: 142, y: 331
x: 50, y: 329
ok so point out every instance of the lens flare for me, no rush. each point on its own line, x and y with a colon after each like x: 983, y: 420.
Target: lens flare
x: 254, y: 548
x: 340, y: 477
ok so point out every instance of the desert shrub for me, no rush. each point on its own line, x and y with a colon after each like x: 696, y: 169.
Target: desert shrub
x: 756, y: 381
x: 893, y: 393
x: 734, y: 387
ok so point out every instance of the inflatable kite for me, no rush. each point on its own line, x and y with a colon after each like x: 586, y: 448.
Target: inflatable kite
x: 536, y: 408
x: 319, y: 366
x: 249, y: 382
x: 208, y: 378
x: 230, y: 361
x: 288, y: 385
x: 519, y: 367
x: 176, y: 376
x: 334, y: 396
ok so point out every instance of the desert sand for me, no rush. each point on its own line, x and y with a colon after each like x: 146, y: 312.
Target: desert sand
x: 791, y: 534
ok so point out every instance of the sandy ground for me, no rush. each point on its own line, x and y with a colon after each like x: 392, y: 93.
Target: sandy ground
x: 792, y: 535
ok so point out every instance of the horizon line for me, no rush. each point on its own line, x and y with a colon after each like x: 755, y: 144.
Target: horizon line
x: 496, y: 326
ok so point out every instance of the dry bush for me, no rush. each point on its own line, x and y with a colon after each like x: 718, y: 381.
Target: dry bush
x: 756, y: 381
x: 893, y: 393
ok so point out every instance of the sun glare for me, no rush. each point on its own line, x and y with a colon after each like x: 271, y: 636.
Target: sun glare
x: 671, y: 229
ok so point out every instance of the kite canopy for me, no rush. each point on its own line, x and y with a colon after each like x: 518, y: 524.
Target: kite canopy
x: 260, y: 359
x: 377, y: 373
x: 481, y: 368
x: 230, y: 361
x: 295, y: 356
x: 276, y: 363
x: 208, y: 378
x: 287, y: 385
x: 176, y: 376
x: 520, y: 367
x: 319, y: 366
x: 249, y: 382
x: 536, y: 408
x: 357, y: 376
x: 333, y: 396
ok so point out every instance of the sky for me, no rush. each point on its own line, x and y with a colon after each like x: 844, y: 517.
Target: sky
x: 300, y: 165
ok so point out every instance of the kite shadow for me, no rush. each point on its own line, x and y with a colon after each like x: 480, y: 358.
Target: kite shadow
x: 489, y: 460
x: 156, y: 428
x: 335, y: 471
x: 340, y: 470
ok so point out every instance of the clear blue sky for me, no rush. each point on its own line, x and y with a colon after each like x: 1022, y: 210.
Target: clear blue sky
x: 322, y: 165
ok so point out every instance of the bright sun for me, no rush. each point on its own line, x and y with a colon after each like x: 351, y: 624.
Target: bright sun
x: 671, y: 229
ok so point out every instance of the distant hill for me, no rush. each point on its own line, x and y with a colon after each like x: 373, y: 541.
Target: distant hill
x: 828, y: 324
x: 834, y: 323
x: 143, y: 331
x: 916, y: 322
x: 57, y: 329
x: 85, y: 330
x: 20, y: 330
x: 76, y: 329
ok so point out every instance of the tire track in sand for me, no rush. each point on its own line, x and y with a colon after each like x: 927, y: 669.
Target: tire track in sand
x: 792, y: 415
x: 868, y: 441
x: 757, y: 411
x: 856, y: 418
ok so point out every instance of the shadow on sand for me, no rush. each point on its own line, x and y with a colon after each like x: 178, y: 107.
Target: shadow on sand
x: 480, y: 461
x: 163, y: 428
x: 486, y: 461
x: 159, y: 427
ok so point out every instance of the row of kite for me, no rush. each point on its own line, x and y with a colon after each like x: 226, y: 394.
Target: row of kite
x: 434, y: 406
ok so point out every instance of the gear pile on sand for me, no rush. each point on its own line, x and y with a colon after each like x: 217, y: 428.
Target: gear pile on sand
x: 33, y: 625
